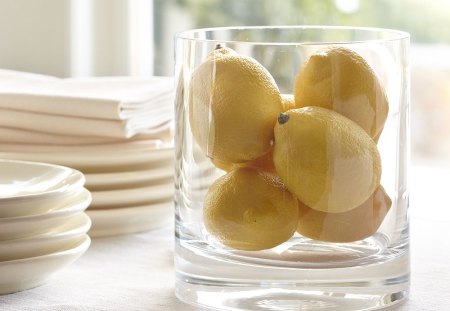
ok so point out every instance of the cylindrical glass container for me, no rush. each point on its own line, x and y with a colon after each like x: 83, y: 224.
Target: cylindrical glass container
x: 291, y: 168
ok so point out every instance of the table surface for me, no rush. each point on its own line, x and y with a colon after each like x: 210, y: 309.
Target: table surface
x: 135, y: 272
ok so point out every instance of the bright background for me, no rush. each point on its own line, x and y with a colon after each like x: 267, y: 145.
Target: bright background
x: 135, y: 37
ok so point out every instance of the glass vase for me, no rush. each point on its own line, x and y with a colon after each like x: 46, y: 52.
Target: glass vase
x: 291, y: 168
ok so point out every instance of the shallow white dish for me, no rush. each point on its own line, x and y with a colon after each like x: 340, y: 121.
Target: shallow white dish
x: 50, y: 242
x: 124, y: 179
x: 127, y: 220
x: 20, y: 227
x: 38, y: 205
x: 92, y: 161
x: 21, y: 274
x: 132, y: 196
x: 26, y: 186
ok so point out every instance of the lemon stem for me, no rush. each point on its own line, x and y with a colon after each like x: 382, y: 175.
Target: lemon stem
x: 283, y: 118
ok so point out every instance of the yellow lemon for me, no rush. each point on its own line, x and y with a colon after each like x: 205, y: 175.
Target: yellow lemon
x: 354, y: 225
x: 288, y: 101
x: 264, y: 162
x: 341, y: 80
x: 234, y: 103
x: 325, y: 159
x: 224, y: 166
x: 248, y: 209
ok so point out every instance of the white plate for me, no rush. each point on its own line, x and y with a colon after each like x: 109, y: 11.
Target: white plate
x: 132, y: 196
x: 51, y: 242
x: 21, y: 274
x: 124, y: 179
x: 20, y: 227
x: 19, y: 136
x: 25, y: 181
x: 143, y: 145
x: 38, y: 205
x: 89, y: 162
x: 127, y: 220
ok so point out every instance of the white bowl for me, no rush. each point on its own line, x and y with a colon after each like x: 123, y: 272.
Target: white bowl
x: 53, y: 241
x: 20, y: 179
x: 28, y: 188
x: 39, y: 205
x: 109, y: 222
x: 19, y: 227
x: 21, y: 274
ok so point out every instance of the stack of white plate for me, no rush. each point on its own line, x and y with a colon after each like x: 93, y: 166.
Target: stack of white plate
x: 42, y: 222
x: 134, y: 197
x: 132, y: 189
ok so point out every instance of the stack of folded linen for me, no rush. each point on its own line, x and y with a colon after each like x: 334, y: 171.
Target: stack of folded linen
x: 116, y: 130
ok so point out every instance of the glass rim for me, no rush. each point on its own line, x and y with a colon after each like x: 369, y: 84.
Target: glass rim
x: 394, y: 35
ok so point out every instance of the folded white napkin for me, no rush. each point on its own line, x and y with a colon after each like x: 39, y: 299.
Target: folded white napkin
x: 20, y: 136
x: 79, y: 126
x: 115, y: 98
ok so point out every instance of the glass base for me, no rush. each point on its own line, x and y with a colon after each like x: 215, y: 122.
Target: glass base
x: 217, y: 296
x: 223, y: 280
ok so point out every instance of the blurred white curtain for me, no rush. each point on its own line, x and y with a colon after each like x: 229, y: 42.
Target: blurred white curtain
x: 77, y: 37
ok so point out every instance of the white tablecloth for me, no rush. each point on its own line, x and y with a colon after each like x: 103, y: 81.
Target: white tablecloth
x: 135, y: 273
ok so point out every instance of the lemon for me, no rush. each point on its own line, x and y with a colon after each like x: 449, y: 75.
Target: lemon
x: 224, y: 166
x: 234, y: 103
x: 288, y: 101
x: 248, y: 209
x: 341, y: 80
x: 354, y: 225
x: 325, y: 159
x: 265, y: 162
